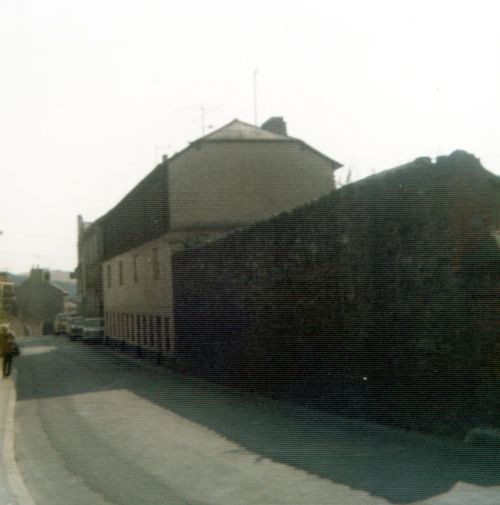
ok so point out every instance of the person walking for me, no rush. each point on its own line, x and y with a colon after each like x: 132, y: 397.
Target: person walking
x: 4, y: 331
x: 10, y: 350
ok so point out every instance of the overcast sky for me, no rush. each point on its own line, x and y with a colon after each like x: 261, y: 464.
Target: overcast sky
x: 92, y: 92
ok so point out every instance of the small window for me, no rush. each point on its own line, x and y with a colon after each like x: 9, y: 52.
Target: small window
x: 166, y: 334
x: 158, y: 334
x: 152, y: 336
x: 144, y: 331
x: 123, y: 326
x: 120, y: 272
x: 136, y: 271
x: 136, y: 331
x: 129, y: 327
x: 156, y: 264
x: 138, y: 322
x: 109, y: 275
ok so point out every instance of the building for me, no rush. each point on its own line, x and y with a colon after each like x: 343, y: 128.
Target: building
x: 224, y: 181
x: 7, y: 296
x: 89, y: 270
x: 39, y: 301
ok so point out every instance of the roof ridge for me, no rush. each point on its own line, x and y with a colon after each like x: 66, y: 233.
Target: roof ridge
x: 241, y: 130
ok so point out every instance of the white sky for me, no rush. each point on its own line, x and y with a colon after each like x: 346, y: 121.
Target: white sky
x: 92, y: 92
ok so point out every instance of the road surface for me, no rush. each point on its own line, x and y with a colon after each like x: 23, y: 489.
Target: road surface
x: 94, y: 428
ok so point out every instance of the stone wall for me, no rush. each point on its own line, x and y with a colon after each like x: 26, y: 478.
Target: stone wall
x: 380, y: 300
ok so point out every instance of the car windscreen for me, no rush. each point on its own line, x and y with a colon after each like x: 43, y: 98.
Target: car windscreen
x: 93, y: 323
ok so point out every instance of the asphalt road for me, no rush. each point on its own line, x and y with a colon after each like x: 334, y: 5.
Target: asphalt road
x: 94, y: 428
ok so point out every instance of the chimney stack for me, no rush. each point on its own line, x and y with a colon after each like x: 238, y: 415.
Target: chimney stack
x: 39, y: 274
x: 79, y: 223
x: 276, y: 125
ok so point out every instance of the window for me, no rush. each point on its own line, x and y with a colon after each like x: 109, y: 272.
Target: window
x: 109, y: 275
x: 129, y: 328
x: 152, y: 339
x: 158, y: 334
x: 136, y: 272
x: 138, y: 322
x: 123, y: 326
x: 156, y: 264
x: 136, y: 331
x: 120, y: 272
x: 144, y: 327
x: 166, y: 334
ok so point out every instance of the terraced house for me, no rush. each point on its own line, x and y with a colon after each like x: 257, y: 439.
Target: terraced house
x: 38, y: 301
x: 224, y: 181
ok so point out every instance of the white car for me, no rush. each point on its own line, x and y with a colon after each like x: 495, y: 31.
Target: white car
x: 61, y: 322
x: 75, y: 327
x: 93, y: 329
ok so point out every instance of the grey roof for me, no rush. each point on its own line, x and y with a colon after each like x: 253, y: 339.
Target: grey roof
x: 238, y: 130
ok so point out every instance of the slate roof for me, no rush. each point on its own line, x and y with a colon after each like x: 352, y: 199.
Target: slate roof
x: 238, y: 130
x: 31, y: 283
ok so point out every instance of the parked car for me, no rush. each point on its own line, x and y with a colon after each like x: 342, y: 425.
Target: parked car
x: 75, y: 327
x: 61, y: 322
x: 93, y: 329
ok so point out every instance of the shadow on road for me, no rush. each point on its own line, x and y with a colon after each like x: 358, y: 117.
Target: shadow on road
x: 401, y: 467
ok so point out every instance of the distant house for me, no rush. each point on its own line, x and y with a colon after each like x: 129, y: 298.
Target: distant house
x: 38, y: 301
x: 224, y: 181
x: 7, y: 295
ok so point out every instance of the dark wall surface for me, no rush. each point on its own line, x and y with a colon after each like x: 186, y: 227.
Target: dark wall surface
x: 381, y: 299
x: 141, y: 216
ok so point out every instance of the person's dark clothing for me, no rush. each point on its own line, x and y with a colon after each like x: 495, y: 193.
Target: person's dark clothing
x: 9, y: 349
x: 7, y: 363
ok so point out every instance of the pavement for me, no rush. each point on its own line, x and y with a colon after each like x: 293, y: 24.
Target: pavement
x: 12, y: 488
x: 95, y: 427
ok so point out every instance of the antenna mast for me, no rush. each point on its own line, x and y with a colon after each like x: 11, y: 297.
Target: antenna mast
x: 202, y: 112
x: 255, y: 95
